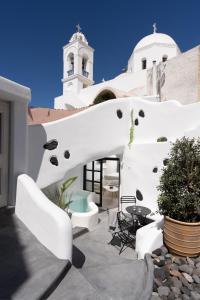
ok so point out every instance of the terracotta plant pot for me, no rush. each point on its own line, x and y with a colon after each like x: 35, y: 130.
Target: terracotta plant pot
x: 182, y: 238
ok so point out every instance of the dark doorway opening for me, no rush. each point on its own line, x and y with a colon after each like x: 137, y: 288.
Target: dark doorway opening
x: 102, y: 176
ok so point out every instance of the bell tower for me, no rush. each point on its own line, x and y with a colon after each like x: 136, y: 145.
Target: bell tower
x: 77, y: 63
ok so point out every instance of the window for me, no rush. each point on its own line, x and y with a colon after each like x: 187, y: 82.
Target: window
x: 164, y: 58
x: 144, y: 63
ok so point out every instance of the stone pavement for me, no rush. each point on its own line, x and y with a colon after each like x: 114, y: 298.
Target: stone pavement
x: 100, y: 273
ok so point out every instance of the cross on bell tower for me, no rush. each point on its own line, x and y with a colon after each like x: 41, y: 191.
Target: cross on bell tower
x: 78, y: 27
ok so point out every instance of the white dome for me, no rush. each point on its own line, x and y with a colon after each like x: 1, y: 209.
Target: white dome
x: 78, y: 36
x: 155, y: 38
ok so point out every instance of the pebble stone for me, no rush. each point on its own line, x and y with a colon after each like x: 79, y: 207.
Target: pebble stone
x: 163, y: 291
x: 195, y: 296
x: 190, y: 261
x: 188, y: 277
x: 196, y: 278
x: 175, y: 278
x: 185, y: 297
x: 186, y: 269
x: 155, y: 296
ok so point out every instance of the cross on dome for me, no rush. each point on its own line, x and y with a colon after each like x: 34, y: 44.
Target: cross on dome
x: 154, y: 28
x: 78, y: 27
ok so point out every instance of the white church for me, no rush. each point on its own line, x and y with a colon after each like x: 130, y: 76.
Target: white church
x: 148, y: 113
x: 156, y: 71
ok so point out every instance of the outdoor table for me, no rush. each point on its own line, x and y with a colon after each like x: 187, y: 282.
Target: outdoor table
x: 113, y: 189
x: 137, y: 211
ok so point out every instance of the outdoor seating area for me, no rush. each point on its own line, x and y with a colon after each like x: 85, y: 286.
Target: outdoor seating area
x: 99, y: 272
x: 127, y: 221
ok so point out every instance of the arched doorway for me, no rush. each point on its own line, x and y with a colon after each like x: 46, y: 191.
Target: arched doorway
x: 104, y: 96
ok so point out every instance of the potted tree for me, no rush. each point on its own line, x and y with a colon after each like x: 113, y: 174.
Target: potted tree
x: 179, y: 198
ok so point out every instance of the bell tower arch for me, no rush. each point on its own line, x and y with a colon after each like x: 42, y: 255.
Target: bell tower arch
x: 77, y: 63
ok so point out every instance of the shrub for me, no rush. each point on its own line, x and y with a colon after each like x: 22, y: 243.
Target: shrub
x: 161, y: 139
x: 180, y: 182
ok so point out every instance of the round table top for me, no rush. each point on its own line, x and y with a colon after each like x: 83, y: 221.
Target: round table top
x: 140, y: 210
x: 111, y: 188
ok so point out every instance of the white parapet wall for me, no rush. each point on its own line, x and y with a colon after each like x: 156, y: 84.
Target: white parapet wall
x: 149, y: 238
x: 50, y: 224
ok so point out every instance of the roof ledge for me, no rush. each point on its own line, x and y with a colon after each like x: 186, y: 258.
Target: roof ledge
x: 12, y: 91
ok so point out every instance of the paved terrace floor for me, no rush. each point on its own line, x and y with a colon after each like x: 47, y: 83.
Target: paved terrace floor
x: 100, y: 273
x: 28, y: 271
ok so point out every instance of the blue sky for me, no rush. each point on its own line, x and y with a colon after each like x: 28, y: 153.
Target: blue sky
x: 32, y: 34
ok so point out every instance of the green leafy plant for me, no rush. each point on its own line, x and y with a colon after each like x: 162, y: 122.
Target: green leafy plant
x: 131, y: 134
x: 180, y: 182
x: 59, y: 197
x: 161, y: 139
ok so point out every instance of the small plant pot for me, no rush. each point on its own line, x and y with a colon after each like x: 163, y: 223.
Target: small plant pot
x: 182, y: 238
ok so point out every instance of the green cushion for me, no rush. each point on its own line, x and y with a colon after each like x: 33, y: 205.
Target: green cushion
x: 79, y: 202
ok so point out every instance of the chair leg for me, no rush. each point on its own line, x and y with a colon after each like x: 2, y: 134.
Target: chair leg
x: 122, y: 248
x: 113, y: 236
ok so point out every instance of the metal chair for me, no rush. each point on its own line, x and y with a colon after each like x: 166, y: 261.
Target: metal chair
x: 130, y: 200
x: 127, y: 199
x: 124, y: 233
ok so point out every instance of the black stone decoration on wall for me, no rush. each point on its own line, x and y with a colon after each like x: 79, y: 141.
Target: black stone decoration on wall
x: 67, y: 154
x: 51, y: 145
x: 141, y: 113
x: 54, y: 160
x: 155, y: 170
x: 119, y: 114
x: 136, y: 122
x: 165, y: 161
x: 139, y: 195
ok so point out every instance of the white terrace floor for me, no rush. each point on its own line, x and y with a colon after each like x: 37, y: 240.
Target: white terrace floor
x: 99, y: 272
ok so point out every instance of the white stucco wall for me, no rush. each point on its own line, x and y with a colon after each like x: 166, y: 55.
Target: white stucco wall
x: 18, y: 97
x: 182, y: 78
x: 125, y: 82
x: 50, y: 224
x: 88, y: 135
x: 98, y: 132
x: 151, y: 53
x: 170, y: 120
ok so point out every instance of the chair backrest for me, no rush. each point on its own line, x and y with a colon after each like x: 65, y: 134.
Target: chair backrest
x: 121, y: 220
x: 127, y: 199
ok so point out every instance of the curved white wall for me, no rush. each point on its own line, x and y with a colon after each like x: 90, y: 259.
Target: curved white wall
x: 50, y: 224
x: 88, y: 135
x: 98, y: 132
x: 169, y: 119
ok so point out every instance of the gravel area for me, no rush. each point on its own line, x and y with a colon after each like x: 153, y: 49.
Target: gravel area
x: 175, y: 277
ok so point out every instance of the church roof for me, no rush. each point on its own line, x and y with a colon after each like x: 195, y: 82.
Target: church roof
x: 39, y: 115
x: 155, y: 38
